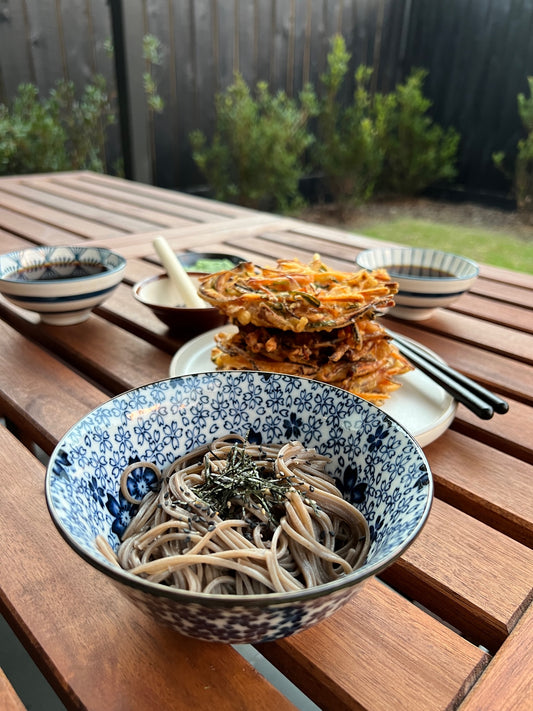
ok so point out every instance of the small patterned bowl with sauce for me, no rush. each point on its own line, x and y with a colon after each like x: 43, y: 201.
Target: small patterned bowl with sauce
x: 63, y: 284
x: 428, y: 278
x: 376, y: 465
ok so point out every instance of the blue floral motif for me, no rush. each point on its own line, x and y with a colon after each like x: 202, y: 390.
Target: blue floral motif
x: 123, y: 439
x: 352, y: 489
x: 219, y: 405
x: 141, y: 481
x: 336, y: 440
x: 272, y: 430
x: 142, y: 431
x: 292, y: 426
x: 325, y: 403
x: 97, y: 491
x: 172, y: 434
x: 61, y: 464
x: 275, y: 399
x: 312, y: 429
x: 121, y: 513
x: 103, y: 439
x: 303, y: 400
x: 375, y: 439
x: 376, y: 526
x: 254, y: 436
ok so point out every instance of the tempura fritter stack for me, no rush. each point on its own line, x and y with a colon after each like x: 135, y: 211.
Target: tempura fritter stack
x: 308, y: 320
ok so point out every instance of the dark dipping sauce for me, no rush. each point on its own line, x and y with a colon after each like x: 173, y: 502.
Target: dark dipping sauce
x: 56, y: 272
x: 415, y: 271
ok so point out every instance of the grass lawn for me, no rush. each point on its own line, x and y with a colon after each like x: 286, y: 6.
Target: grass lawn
x: 482, y: 245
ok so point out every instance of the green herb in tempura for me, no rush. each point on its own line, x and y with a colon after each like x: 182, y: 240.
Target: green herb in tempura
x: 243, y: 486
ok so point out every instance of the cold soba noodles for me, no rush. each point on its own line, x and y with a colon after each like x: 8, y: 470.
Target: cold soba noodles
x: 236, y: 518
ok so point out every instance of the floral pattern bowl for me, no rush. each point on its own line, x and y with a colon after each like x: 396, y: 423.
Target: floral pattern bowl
x: 63, y: 283
x: 378, y: 466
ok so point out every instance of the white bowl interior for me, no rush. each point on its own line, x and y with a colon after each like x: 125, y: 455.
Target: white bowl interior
x: 161, y: 292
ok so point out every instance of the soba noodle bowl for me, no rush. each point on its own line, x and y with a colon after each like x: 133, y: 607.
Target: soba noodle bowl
x: 237, y: 518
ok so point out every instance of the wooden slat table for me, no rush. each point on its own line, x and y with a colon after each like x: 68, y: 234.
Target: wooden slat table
x: 448, y: 626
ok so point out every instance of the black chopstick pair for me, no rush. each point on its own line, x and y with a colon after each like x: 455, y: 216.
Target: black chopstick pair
x: 475, y: 397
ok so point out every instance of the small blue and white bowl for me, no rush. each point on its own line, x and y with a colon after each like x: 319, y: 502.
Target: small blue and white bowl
x: 62, y: 284
x: 428, y: 278
x: 379, y: 467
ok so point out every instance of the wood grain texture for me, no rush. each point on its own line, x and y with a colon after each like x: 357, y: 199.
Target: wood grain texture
x: 9, y: 700
x: 115, y: 363
x: 469, y: 574
x: 64, y: 611
x: 480, y: 307
x: 377, y: 653
x: 55, y: 217
x: 41, y: 396
x: 485, y: 483
x: 507, y: 684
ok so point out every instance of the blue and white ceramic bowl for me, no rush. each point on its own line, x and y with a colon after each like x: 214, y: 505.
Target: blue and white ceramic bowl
x: 378, y: 466
x: 428, y: 278
x: 62, y: 284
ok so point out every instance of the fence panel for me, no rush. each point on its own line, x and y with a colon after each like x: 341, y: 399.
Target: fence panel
x: 43, y: 41
x: 284, y: 42
x: 478, y: 54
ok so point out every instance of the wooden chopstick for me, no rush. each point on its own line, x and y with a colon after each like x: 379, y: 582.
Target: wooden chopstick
x: 475, y: 397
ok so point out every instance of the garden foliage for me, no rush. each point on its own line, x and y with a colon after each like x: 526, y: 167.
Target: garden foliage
x: 263, y: 145
x: 256, y: 156
x: 348, y: 151
x: 523, y: 165
x: 62, y: 131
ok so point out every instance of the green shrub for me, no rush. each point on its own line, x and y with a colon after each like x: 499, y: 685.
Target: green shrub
x: 347, y: 150
x: 57, y: 133
x: 62, y: 132
x: 418, y: 152
x: 256, y: 156
x: 523, y: 166
x: 386, y: 142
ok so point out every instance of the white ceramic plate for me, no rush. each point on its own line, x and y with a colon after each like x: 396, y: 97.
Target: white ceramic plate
x: 420, y: 405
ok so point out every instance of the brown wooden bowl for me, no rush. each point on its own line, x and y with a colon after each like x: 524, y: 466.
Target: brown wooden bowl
x: 157, y: 293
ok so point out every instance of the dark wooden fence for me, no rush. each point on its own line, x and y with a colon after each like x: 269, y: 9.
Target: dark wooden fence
x: 478, y: 54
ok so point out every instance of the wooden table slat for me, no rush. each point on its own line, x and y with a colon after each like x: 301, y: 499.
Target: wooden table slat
x: 35, y: 230
x: 473, y: 305
x: 507, y: 684
x: 43, y: 603
x: 496, y: 371
x: 203, y: 207
x: 484, y: 483
x: 459, y: 568
x: 57, y: 217
x: 145, y: 218
x: 69, y: 204
x: 408, y: 639
x: 428, y: 665
x: 9, y: 700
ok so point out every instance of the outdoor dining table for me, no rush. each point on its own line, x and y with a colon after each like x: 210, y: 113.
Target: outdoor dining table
x: 448, y: 626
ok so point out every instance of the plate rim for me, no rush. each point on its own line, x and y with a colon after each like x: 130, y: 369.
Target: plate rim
x: 423, y: 436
